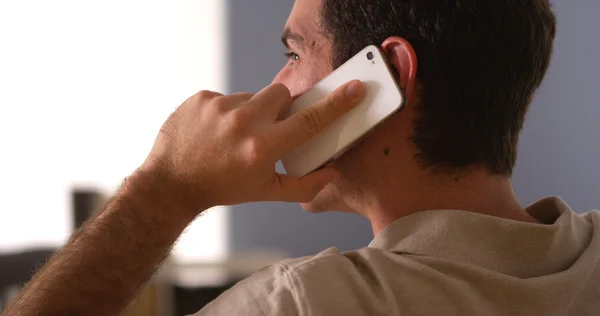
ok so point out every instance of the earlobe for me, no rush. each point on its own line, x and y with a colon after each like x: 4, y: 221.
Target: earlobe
x: 402, y: 57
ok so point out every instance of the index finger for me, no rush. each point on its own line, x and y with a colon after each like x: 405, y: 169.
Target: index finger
x: 310, y: 121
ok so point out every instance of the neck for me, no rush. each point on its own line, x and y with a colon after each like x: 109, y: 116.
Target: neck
x: 383, y: 182
x: 474, y: 190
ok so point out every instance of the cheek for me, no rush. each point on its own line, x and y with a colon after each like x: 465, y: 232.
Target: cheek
x: 300, y: 78
x: 305, y: 80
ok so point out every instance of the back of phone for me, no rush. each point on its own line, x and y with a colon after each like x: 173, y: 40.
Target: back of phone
x: 383, y: 99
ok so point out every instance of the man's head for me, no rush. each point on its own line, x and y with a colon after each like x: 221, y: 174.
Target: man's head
x: 479, y: 64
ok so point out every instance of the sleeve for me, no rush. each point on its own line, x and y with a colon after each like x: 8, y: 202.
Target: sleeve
x: 269, y: 291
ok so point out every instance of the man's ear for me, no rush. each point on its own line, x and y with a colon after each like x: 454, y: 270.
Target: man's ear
x: 401, y: 55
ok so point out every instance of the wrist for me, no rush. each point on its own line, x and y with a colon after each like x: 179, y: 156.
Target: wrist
x: 153, y: 192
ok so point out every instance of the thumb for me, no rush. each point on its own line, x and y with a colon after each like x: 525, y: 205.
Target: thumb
x: 287, y: 188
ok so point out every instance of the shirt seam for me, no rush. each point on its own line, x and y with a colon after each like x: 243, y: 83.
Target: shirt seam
x: 295, y: 292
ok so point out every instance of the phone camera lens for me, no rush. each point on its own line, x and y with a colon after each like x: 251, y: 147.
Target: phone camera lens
x: 370, y: 55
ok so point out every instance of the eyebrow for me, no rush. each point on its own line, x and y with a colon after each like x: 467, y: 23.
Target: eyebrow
x: 288, y: 36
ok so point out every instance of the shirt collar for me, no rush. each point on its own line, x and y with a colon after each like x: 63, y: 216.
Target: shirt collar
x: 507, y: 246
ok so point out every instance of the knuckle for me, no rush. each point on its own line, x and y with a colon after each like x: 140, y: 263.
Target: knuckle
x: 255, y: 151
x: 205, y: 95
x: 310, y: 122
x: 238, y: 118
x: 334, y: 102
x: 220, y: 104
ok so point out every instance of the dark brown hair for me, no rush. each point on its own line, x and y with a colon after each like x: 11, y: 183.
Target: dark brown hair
x: 480, y: 62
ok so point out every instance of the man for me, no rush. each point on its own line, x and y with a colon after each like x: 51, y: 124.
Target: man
x: 450, y: 236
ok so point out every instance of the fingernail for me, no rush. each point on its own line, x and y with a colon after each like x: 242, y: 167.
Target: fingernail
x: 355, y: 89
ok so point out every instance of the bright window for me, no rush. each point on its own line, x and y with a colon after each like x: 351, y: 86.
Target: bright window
x: 84, y: 88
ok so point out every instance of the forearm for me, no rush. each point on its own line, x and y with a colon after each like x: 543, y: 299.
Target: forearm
x: 104, y: 264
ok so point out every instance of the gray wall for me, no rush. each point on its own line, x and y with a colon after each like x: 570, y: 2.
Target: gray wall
x: 559, y: 149
x: 559, y: 153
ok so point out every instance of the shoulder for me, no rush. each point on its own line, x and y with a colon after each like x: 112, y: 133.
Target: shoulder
x: 296, y: 286
x: 341, y: 283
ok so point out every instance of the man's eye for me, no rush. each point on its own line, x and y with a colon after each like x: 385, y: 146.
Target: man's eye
x: 292, y: 56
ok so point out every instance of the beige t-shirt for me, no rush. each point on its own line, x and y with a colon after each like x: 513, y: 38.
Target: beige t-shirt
x: 440, y: 263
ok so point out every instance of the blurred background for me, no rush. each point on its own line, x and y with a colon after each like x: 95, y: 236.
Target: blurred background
x: 85, y: 86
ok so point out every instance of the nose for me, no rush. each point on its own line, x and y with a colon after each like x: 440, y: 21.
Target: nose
x: 280, y: 77
x: 285, y: 78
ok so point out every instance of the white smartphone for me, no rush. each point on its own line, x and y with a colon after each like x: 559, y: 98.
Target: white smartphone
x: 384, y: 98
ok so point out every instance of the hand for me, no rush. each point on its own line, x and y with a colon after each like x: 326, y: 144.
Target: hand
x: 222, y: 150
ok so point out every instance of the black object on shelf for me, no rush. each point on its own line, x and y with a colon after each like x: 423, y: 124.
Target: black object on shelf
x: 85, y: 204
